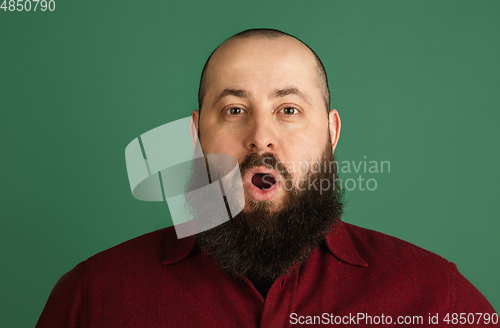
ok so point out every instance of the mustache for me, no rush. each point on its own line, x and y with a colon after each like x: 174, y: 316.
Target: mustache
x: 266, y: 159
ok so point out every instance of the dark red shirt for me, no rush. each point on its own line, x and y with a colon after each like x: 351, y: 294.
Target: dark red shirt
x: 358, y: 277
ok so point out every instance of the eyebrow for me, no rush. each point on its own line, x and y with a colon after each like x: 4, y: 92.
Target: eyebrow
x: 291, y: 91
x: 232, y: 92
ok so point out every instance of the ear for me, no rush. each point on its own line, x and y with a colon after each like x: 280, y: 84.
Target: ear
x: 334, y: 123
x: 193, y: 128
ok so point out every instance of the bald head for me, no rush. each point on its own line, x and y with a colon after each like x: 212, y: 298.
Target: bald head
x: 274, y: 38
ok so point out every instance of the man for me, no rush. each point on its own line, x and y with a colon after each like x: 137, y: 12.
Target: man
x: 287, y: 258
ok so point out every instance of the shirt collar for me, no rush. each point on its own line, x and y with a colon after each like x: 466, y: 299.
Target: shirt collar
x: 339, y: 242
x: 174, y: 250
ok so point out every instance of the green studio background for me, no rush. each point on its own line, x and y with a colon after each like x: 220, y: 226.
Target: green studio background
x: 415, y: 82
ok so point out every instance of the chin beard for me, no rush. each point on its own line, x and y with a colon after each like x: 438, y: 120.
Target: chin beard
x: 265, y: 244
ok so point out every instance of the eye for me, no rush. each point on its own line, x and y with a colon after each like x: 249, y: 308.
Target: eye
x: 235, y: 111
x: 289, y: 111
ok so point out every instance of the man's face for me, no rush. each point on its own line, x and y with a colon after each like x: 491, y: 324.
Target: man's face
x: 264, y: 96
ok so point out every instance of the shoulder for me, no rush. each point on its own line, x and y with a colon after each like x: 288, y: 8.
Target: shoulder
x: 140, y: 254
x: 376, y: 247
x: 136, y: 248
x: 424, y: 274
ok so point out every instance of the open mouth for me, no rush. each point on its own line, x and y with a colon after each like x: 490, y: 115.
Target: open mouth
x: 263, y: 181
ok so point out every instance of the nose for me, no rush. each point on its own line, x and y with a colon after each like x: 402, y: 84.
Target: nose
x: 261, y: 136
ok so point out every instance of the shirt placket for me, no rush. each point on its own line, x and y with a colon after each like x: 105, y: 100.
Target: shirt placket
x: 280, y: 302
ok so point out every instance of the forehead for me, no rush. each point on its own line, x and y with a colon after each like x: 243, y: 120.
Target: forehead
x: 260, y: 63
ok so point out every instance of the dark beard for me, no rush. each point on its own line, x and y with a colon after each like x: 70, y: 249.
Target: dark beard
x: 265, y: 244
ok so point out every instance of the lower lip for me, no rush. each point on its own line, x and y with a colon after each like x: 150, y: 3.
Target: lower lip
x: 257, y: 193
